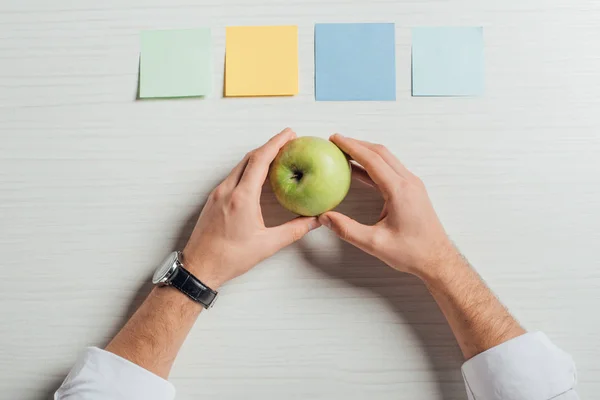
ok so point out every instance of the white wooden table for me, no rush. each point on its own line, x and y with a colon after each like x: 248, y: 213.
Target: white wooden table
x: 96, y: 188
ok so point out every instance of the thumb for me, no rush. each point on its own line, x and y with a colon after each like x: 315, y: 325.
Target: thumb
x: 346, y: 228
x: 292, y: 231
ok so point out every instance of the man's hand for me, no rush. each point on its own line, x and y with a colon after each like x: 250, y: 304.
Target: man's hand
x: 230, y: 237
x: 228, y: 240
x: 408, y: 236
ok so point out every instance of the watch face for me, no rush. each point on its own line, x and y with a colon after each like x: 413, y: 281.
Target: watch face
x: 165, y: 270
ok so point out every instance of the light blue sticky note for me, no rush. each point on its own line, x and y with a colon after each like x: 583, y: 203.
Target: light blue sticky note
x: 175, y: 63
x: 447, y: 61
x: 355, y: 62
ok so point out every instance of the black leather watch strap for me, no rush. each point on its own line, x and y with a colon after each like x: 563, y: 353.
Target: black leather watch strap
x: 191, y: 286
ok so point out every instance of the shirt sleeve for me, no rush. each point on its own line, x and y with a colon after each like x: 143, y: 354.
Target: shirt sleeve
x: 528, y: 367
x: 101, y: 375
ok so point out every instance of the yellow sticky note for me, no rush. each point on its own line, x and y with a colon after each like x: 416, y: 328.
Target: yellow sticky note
x: 261, y: 61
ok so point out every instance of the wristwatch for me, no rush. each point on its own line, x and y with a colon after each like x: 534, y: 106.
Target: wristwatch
x: 172, y: 273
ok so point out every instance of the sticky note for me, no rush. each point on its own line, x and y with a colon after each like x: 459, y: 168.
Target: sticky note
x: 175, y: 63
x: 355, y: 62
x: 447, y: 61
x: 261, y: 61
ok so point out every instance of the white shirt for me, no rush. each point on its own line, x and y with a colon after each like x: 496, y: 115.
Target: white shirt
x: 528, y: 367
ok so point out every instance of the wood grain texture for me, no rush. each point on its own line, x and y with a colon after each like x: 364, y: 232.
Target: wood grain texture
x: 95, y: 188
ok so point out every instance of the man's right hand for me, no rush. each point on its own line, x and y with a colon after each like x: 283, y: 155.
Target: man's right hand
x: 409, y: 236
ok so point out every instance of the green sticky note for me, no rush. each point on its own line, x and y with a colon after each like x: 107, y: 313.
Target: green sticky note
x: 175, y: 63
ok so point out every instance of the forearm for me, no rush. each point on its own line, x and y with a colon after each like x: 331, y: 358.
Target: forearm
x: 154, y: 334
x: 409, y: 237
x: 477, y: 318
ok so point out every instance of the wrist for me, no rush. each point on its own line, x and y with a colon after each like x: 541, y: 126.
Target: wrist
x: 446, y: 265
x: 165, y: 298
x: 204, y: 269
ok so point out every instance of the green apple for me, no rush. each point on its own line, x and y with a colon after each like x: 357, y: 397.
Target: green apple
x: 310, y: 175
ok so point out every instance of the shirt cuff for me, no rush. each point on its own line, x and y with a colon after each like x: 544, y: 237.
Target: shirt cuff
x: 99, y: 374
x: 527, y: 367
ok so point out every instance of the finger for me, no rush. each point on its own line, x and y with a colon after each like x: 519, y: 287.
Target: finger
x: 232, y: 180
x: 381, y: 173
x: 292, y: 231
x: 361, y: 175
x: 348, y: 229
x: 387, y: 156
x: 258, y: 164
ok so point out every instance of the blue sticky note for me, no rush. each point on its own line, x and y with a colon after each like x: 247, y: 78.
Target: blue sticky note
x: 447, y: 61
x: 355, y: 62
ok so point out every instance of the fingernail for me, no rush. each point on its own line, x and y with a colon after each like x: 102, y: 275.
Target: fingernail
x: 323, y: 219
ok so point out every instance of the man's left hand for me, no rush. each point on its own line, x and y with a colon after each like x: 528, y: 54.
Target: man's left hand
x: 230, y: 236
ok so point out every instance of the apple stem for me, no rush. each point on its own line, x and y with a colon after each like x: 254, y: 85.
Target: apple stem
x: 297, y: 175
